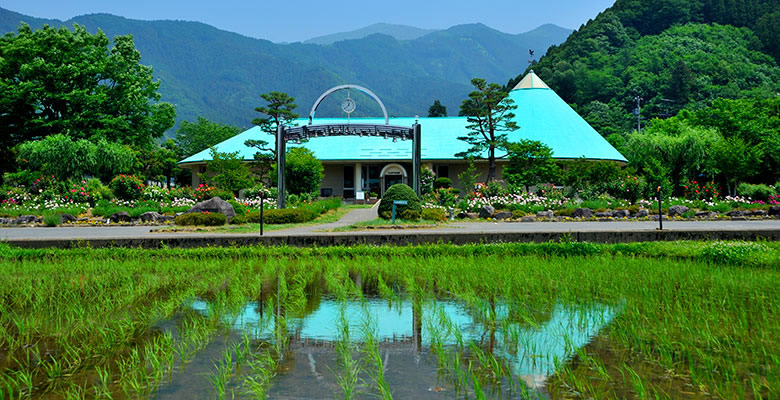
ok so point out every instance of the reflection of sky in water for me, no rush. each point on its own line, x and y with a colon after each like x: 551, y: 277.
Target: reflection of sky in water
x: 539, y: 348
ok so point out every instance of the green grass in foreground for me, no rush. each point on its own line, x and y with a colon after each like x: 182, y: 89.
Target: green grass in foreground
x: 381, y: 222
x: 700, y: 318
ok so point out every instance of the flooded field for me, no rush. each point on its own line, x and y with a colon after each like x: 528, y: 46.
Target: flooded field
x: 497, y: 322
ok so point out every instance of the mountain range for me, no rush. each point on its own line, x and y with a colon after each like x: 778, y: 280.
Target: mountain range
x: 399, y: 32
x: 205, y: 71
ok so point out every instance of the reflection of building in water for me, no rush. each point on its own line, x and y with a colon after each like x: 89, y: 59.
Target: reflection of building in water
x: 533, y: 351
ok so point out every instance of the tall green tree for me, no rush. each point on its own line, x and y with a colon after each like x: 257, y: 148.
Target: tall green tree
x: 489, y: 116
x: 675, y: 147
x: 303, y: 172
x: 192, y: 137
x: 58, y: 81
x: 437, y: 109
x: 279, y: 111
x: 228, y: 172
x: 530, y: 163
x: 736, y: 160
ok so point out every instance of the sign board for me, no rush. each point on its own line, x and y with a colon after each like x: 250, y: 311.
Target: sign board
x: 400, y: 202
x: 360, y: 195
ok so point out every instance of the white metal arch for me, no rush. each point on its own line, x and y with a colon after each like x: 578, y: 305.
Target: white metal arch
x: 393, y: 166
x: 348, y: 86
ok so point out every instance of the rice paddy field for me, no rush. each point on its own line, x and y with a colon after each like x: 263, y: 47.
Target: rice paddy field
x: 496, y: 321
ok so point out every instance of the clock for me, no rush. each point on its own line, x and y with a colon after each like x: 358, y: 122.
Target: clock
x: 348, y: 105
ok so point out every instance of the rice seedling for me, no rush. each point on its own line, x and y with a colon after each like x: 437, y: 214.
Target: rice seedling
x: 692, y: 317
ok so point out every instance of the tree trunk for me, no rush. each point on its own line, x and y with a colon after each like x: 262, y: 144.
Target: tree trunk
x: 492, y: 164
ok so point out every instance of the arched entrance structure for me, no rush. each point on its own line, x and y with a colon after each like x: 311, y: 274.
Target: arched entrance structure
x: 392, y: 174
x: 300, y: 134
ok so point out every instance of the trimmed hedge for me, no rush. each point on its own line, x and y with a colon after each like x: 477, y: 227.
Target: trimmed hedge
x: 399, y: 192
x: 204, y: 218
x: 434, y: 214
x: 283, y: 216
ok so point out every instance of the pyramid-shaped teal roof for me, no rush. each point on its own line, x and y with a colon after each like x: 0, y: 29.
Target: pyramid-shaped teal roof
x: 541, y: 115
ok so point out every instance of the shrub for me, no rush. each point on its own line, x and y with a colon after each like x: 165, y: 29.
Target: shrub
x: 204, y: 218
x: 565, y: 212
x: 98, y: 191
x: 283, y: 216
x: 52, y: 219
x: 303, y: 172
x: 442, y: 183
x: 238, y: 220
x: 204, y: 192
x: 433, y: 214
x: 518, y: 214
x: 696, y: 190
x: 410, y: 215
x: 222, y: 194
x: 399, y: 192
x: 239, y: 208
x: 755, y: 192
x: 182, y: 192
x: 155, y: 193
x: 127, y: 187
x: 78, y: 193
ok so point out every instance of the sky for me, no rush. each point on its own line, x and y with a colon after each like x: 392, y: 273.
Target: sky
x: 298, y: 20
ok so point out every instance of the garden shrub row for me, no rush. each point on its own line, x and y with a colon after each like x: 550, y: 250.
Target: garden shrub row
x: 204, y: 219
x: 283, y: 216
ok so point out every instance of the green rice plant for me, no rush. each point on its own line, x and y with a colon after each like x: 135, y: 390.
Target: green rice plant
x: 371, y: 350
x: 349, y: 379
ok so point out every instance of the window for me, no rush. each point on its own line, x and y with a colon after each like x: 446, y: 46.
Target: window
x: 442, y: 171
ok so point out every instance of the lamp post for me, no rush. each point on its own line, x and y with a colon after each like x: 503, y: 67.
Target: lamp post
x: 638, y: 112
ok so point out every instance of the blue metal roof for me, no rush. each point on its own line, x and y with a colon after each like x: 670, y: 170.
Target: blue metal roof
x: 541, y: 115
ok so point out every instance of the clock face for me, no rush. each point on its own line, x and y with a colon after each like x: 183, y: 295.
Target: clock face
x: 348, y: 105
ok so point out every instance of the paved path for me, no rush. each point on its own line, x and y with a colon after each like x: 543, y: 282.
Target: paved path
x: 352, y: 217
x: 124, y: 232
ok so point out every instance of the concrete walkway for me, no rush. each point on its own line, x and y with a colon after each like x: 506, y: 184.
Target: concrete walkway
x: 352, y: 217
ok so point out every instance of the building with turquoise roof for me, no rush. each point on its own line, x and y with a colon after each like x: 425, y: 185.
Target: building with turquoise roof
x: 373, y: 163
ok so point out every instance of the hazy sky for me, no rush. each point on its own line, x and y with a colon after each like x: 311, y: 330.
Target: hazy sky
x: 297, y: 20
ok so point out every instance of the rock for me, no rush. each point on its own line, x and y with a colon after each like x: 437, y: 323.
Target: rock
x: 528, y: 218
x: 620, y: 214
x: 654, y: 217
x: 774, y: 210
x: 150, y: 216
x: 215, y: 205
x: 603, y: 214
x: 6, y: 221
x: 165, y: 218
x: 677, y: 210
x: 582, y: 213
x: 642, y: 213
x: 486, y: 212
x: 545, y: 214
x: 758, y: 213
x: 738, y: 219
x: 503, y: 215
x: 121, y: 216
x: 735, y: 213
x: 467, y: 215
x: 25, y: 219
x: 705, y: 214
x: 67, y: 219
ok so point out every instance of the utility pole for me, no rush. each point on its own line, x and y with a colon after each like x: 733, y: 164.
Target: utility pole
x: 638, y: 112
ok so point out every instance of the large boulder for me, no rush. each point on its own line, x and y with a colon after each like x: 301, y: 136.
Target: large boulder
x: 603, y: 214
x: 6, y: 221
x: 26, y: 219
x: 487, y: 212
x: 150, y: 216
x: 677, y: 210
x: 503, y: 215
x: 467, y: 215
x: 67, y: 219
x: 582, y: 213
x: 705, y: 214
x: 758, y: 213
x: 774, y: 210
x: 620, y: 214
x: 642, y: 213
x: 214, y: 205
x: 545, y: 214
x: 121, y: 216
x: 735, y: 213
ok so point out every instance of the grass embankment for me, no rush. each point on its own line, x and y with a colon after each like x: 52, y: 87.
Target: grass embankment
x: 697, y: 318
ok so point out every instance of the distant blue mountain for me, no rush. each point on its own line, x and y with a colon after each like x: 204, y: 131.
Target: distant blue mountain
x: 220, y: 75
